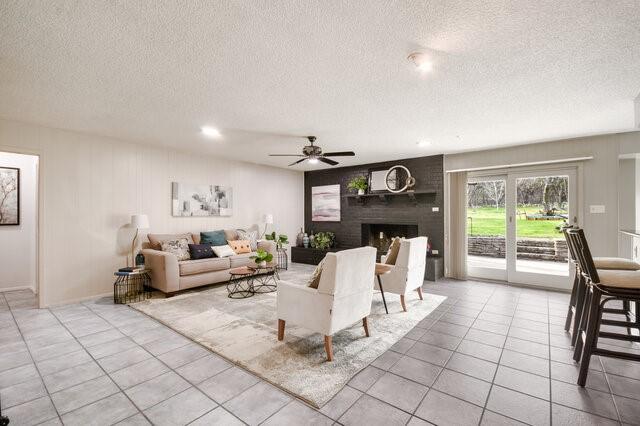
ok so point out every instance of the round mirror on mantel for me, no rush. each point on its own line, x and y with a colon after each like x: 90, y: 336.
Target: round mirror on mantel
x: 399, y: 179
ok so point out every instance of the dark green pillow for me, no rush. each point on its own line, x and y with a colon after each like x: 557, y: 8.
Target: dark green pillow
x: 214, y: 238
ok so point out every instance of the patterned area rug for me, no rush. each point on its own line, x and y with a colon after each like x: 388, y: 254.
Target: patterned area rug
x: 245, y: 332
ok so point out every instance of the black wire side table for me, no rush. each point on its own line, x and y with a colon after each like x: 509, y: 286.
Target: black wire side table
x: 131, y: 287
x: 283, y: 259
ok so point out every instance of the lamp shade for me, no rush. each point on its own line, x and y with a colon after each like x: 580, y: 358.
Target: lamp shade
x: 139, y: 221
x: 267, y: 218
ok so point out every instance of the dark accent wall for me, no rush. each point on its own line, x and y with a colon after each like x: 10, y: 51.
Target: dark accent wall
x: 428, y: 172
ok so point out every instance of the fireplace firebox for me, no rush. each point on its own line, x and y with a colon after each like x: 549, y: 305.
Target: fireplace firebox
x: 380, y: 235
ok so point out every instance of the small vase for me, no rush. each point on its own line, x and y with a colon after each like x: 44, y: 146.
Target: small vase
x: 305, y: 241
x: 262, y: 264
x: 299, y: 238
x: 360, y: 191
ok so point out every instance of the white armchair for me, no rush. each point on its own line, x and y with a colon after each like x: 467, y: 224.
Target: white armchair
x: 343, y: 296
x: 407, y: 274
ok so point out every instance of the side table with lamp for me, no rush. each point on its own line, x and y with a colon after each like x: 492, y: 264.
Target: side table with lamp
x: 133, y: 283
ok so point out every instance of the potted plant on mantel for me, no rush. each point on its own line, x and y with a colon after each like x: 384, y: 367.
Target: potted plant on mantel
x: 358, y: 183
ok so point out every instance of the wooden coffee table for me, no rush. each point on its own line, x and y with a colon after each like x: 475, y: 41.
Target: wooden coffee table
x: 382, y: 269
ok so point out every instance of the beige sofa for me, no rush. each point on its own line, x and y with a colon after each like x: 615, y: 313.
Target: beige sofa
x: 170, y: 275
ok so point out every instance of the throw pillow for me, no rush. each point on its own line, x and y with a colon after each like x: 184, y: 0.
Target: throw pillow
x: 200, y: 251
x: 223, y: 251
x: 179, y: 248
x: 392, y: 254
x: 251, y: 236
x: 240, y: 246
x: 213, y: 238
x: 314, y: 281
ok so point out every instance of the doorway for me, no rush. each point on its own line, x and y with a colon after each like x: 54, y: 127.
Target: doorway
x: 18, y: 222
x: 514, y: 223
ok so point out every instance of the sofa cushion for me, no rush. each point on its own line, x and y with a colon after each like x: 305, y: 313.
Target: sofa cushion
x: 223, y: 251
x: 198, y: 266
x: 178, y: 248
x: 243, y: 259
x: 157, y: 239
x: 201, y: 251
x: 231, y: 234
x: 214, y: 238
x: 251, y: 236
x: 240, y: 246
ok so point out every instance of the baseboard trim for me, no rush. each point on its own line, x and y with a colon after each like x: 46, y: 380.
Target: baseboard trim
x: 78, y: 300
x: 20, y: 287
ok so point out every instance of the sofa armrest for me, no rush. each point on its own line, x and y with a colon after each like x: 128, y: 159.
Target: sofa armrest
x: 165, y: 275
x: 269, y: 247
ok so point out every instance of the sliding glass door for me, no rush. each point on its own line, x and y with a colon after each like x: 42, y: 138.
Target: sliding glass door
x: 540, y: 204
x: 514, y: 226
x: 487, y: 227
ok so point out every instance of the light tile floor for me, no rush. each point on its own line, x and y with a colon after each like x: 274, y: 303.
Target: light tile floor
x: 490, y: 354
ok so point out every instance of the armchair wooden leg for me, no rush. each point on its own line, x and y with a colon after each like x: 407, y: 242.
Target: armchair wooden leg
x: 404, y: 306
x: 328, y: 347
x: 365, y: 324
x: 420, y: 293
x: 280, y: 329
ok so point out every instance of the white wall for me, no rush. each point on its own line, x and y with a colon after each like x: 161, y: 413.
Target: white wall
x: 600, y: 177
x: 18, y: 243
x: 91, y: 185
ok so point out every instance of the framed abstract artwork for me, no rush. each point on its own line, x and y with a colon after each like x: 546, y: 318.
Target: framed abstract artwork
x: 9, y: 196
x: 325, y: 203
x: 201, y: 200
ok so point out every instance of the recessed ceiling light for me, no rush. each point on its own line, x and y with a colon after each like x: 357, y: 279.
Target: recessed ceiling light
x: 421, y: 61
x: 210, y: 132
x: 313, y: 160
x: 424, y: 144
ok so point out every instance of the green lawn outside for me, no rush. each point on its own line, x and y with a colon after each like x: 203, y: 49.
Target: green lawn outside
x: 489, y: 221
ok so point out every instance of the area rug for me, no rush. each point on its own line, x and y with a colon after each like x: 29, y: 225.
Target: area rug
x: 244, y: 331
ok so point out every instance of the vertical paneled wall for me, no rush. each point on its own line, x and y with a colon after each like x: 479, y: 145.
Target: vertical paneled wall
x: 91, y: 185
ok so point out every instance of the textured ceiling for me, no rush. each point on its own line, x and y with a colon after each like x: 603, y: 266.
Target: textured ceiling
x: 506, y: 72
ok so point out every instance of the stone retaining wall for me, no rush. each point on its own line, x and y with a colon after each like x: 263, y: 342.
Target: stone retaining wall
x: 527, y: 248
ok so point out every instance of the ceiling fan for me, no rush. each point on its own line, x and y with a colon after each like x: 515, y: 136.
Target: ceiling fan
x: 313, y: 153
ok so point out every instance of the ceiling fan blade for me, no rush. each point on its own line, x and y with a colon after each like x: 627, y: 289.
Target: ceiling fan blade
x: 286, y: 155
x: 296, y: 162
x: 328, y: 161
x: 339, y: 154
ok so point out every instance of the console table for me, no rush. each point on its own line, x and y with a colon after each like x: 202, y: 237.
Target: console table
x: 311, y: 256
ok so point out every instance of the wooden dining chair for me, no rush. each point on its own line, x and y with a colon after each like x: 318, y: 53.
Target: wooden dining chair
x: 579, y: 288
x: 603, y: 287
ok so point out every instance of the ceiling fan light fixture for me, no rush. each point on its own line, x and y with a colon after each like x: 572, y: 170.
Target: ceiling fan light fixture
x: 312, y: 160
x: 421, y: 61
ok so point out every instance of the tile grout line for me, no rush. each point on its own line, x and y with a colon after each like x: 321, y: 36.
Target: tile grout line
x: 219, y: 404
x: 34, y: 362
x: 448, y: 359
x: 484, y: 409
